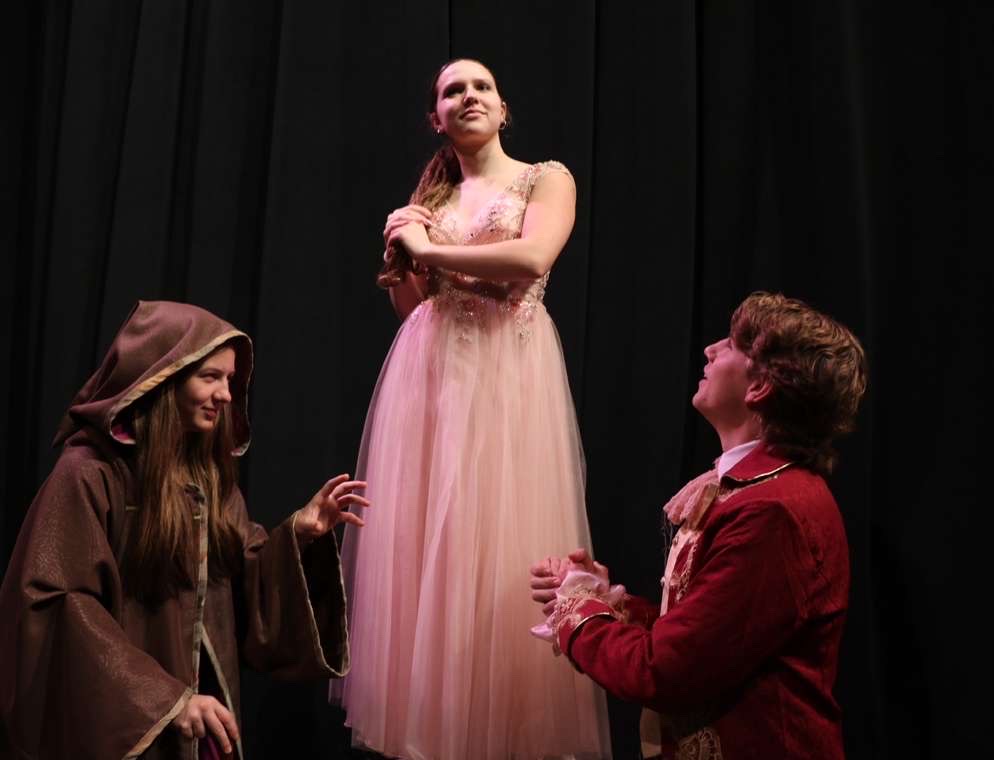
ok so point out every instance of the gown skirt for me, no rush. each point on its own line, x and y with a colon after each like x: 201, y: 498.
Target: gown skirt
x: 475, y: 471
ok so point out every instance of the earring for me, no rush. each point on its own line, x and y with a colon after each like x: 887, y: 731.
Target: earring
x: 503, y: 125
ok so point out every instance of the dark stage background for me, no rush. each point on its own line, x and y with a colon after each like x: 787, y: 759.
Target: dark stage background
x: 242, y: 155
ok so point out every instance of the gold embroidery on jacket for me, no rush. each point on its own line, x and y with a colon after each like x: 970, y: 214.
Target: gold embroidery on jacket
x: 725, y: 492
x: 702, y: 745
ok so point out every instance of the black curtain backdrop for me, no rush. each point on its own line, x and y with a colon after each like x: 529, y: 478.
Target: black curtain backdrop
x: 242, y: 155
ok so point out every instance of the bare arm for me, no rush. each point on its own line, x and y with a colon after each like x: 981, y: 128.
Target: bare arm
x: 413, y: 289
x: 406, y: 296
x: 547, y: 225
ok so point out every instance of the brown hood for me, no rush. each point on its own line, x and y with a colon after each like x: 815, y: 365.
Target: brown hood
x: 157, y: 340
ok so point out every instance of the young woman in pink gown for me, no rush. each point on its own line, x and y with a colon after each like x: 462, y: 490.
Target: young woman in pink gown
x: 473, y: 457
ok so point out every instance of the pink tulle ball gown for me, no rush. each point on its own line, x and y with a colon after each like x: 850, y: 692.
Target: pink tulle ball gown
x: 475, y: 469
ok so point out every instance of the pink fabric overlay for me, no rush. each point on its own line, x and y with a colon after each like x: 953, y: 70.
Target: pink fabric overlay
x: 474, y: 463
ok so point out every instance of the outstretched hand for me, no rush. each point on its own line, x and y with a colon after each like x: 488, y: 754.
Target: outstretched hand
x: 327, y: 508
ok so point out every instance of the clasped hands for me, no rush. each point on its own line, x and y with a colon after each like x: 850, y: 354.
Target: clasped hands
x: 547, y: 576
x: 407, y: 228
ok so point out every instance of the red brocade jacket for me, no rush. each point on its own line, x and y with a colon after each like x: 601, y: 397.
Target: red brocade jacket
x: 743, y: 661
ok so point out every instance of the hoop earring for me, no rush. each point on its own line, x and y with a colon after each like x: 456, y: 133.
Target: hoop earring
x: 503, y: 125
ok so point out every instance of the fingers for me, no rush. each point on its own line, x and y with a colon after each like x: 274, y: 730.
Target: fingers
x: 549, y: 607
x: 396, y: 237
x: 344, y: 487
x: 412, y: 211
x: 353, y: 498
x: 579, y: 556
x: 560, y: 566
x: 541, y: 568
x: 581, y: 560
x: 203, y: 714
x: 395, y: 223
x: 544, y: 597
x: 545, y: 579
x: 218, y: 730
x: 412, y: 208
x: 544, y: 582
x: 341, y: 496
x: 332, y: 484
x: 402, y: 217
x: 352, y: 518
x: 227, y: 720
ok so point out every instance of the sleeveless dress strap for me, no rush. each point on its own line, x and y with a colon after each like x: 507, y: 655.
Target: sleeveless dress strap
x: 542, y: 168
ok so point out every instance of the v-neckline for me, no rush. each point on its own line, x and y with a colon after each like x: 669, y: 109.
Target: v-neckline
x: 463, y: 228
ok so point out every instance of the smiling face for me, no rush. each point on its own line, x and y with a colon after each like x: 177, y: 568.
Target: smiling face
x: 723, y: 392
x: 467, y: 106
x: 203, y: 394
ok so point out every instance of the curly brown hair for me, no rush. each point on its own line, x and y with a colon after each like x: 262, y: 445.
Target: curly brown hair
x: 816, y: 368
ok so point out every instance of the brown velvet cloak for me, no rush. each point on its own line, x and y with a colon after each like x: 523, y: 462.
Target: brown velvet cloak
x: 86, y: 671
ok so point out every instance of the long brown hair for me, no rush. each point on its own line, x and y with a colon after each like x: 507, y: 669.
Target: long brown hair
x: 160, y: 548
x: 438, y: 179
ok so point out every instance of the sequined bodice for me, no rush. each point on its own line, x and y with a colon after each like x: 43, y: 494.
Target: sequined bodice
x: 500, y: 219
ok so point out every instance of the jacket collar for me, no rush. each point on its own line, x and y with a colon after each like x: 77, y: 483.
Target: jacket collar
x: 759, y: 464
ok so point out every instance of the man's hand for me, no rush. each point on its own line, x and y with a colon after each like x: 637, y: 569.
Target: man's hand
x: 580, y: 560
x: 547, y: 576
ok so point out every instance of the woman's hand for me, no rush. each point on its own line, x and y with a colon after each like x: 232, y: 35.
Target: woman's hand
x: 326, y: 509
x: 203, y: 714
x: 412, y: 214
x: 413, y: 238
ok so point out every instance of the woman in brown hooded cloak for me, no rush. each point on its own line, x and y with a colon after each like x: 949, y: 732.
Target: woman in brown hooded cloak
x: 138, y: 583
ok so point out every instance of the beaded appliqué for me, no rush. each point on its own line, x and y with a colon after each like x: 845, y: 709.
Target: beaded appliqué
x: 472, y: 299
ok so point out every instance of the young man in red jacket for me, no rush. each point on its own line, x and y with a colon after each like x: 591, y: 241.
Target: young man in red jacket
x: 740, y: 658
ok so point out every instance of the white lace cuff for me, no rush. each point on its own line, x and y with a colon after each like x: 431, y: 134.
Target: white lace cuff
x: 577, y: 588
